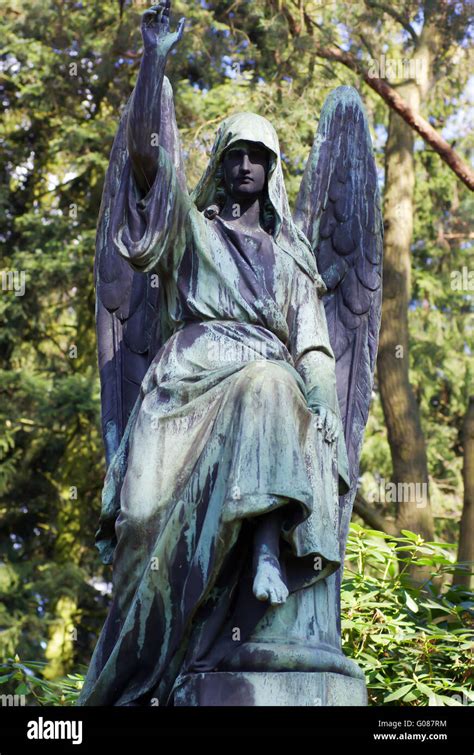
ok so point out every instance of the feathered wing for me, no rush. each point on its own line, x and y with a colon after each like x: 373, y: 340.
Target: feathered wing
x: 130, y: 319
x: 338, y: 209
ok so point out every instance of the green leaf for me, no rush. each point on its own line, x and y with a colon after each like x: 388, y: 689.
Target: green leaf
x: 399, y: 693
x: 424, y: 688
x: 410, y: 536
x: 411, y: 603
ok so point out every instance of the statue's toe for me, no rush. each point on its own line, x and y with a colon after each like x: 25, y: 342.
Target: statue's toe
x: 260, y: 589
x: 278, y: 592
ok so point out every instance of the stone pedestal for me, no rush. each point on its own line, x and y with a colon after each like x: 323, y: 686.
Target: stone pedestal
x: 251, y: 688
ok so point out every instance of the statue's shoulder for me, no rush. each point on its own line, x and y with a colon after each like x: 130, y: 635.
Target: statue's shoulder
x: 203, y: 224
x: 211, y: 212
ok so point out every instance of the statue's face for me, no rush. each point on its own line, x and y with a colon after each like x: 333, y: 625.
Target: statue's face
x: 245, y: 168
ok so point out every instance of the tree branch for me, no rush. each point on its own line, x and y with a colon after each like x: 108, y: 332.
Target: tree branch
x: 397, y: 16
x: 372, y: 518
x: 367, y: 46
x: 397, y: 103
x: 463, y: 236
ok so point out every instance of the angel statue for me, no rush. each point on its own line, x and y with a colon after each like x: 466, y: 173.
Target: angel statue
x: 233, y: 402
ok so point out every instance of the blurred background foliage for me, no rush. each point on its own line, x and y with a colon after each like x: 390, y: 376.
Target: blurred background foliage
x: 67, y: 70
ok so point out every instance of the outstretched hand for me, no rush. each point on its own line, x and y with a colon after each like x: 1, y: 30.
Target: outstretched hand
x: 155, y: 28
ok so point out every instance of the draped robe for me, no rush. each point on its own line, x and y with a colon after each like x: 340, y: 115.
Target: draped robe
x: 220, y: 435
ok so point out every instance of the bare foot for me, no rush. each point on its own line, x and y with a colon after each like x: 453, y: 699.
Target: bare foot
x: 268, y: 583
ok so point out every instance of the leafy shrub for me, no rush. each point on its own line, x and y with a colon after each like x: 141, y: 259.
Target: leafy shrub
x: 414, y: 645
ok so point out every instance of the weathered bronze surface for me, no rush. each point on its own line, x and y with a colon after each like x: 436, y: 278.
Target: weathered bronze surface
x: 233, y: 400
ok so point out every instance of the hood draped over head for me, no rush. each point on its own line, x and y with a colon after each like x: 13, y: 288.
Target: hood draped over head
x: 254, y: 128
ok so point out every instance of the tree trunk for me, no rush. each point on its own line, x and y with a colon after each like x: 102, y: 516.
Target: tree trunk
x: 401, y: 411
x: 466, y: 529
x: 402, y: 416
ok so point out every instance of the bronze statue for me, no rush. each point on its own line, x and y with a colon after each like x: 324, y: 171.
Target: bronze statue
x: 233, y: 402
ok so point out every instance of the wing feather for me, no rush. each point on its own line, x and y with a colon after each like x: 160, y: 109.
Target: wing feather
x: 338, y: 209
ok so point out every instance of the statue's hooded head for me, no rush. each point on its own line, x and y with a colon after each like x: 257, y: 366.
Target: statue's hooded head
x: 277, y: 219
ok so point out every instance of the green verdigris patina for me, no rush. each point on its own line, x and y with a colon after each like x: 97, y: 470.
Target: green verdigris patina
x: 220, y: 508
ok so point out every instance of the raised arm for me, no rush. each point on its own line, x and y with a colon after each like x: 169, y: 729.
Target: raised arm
x: 144, y: 119
x: 150, y: 213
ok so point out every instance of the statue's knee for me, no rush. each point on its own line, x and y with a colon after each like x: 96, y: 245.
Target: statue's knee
x: 265, y: 381
x: 262, y: 370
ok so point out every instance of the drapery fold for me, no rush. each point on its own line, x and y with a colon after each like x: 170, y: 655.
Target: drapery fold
x: 221, y: 434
